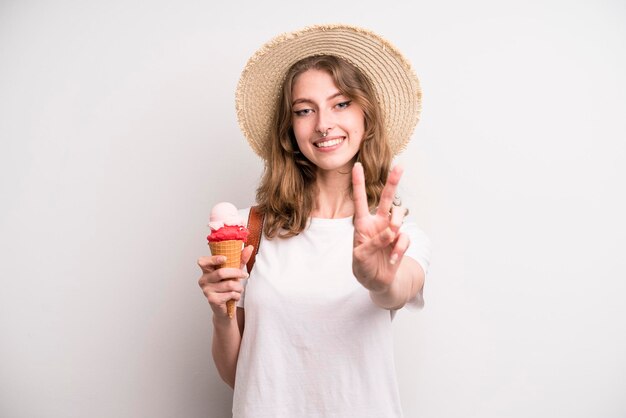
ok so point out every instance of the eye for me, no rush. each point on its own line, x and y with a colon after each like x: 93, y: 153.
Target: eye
x: 344, y: 105
x: 303, y: 112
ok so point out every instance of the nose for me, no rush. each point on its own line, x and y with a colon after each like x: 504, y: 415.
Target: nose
x: 325, y: 121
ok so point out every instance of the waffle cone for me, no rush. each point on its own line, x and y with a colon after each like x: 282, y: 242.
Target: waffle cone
x: 232, y: 250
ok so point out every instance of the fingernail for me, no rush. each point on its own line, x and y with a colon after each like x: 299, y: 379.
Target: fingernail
x: 393, y: 259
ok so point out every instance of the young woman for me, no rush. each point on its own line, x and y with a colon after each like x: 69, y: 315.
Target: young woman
x: 326, y: 108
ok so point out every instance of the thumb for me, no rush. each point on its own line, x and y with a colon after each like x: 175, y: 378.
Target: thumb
x: 245, y: 255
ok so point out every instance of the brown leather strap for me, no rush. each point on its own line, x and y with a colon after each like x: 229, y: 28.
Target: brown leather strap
x: 255, y: 226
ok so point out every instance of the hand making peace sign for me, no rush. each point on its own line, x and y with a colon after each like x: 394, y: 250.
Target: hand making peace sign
x: 378, y: 244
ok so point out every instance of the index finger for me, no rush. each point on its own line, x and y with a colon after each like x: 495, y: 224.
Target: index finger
x: 359, y: 196
x: 208, y: 264
x: 389, y: 191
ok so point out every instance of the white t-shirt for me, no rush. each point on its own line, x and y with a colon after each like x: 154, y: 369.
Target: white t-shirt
x: 314, y: 344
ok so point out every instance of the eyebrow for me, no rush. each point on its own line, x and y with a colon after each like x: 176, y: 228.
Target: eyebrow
x: 305, y: 100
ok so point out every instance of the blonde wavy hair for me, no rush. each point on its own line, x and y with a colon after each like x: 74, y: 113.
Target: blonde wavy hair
x: 287, y: 191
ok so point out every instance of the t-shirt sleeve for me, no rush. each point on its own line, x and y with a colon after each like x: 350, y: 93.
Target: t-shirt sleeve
x: 419, y: 250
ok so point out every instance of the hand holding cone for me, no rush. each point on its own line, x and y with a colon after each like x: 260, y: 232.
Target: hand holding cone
x: 231, y: 249
x: 228, y: 235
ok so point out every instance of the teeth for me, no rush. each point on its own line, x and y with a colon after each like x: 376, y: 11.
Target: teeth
x: 330, y: 143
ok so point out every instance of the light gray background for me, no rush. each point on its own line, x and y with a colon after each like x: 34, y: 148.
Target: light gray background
x: 118, y: 133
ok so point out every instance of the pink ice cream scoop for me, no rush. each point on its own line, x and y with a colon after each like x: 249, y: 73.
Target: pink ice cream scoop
x: 226, y: 224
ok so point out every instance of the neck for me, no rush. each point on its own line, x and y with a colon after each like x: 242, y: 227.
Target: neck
x: 333, y: 195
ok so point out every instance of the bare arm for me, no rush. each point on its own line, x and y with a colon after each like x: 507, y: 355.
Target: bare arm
x: 378, y: 260
x: 219, y: 286
x: 226, y: 342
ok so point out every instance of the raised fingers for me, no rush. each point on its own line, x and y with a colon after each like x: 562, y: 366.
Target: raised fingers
x: 389, y: 191
x: 361, y: 208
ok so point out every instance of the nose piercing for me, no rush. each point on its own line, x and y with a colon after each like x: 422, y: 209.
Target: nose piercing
x: 325, y: 134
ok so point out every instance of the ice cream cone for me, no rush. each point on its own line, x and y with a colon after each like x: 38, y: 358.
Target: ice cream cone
x: 231, y: 249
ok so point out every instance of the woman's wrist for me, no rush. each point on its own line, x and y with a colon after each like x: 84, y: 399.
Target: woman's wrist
x: 390, y: 297
x: 223, y: 322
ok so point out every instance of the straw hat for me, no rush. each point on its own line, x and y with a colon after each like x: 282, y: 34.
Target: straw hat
x: 396, y: 86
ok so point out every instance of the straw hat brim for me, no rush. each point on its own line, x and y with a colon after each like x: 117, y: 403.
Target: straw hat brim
x: 395, y: 83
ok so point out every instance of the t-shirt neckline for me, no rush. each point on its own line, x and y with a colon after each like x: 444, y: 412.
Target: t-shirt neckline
x: 330, y: 222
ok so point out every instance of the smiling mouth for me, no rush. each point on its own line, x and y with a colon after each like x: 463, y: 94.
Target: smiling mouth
x: 330, y: 142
